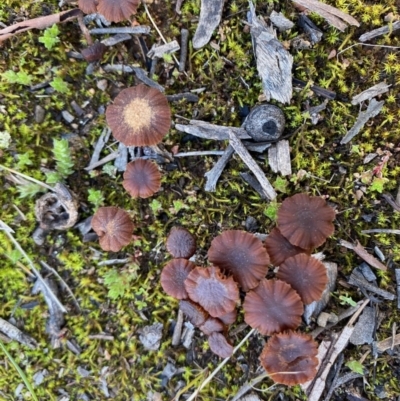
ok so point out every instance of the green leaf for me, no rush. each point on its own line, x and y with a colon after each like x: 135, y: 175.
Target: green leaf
x: 63, y: 156
x: 29, y: 190
x: 50, y: 37
x: 356, y: 367
x: 96, y: 197
x: 281, y: 184
x: 24, y: 159
x: 118, y: 283
x: 155, y: 206
x: 271, y: 211
x: 377, y: 184
x: 52, y: 177
x: 59, y: 85
x: 347, y: 300
x: 21, y: 77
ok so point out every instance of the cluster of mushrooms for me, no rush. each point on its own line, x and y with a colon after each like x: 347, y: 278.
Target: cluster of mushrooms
x: 209, y: 296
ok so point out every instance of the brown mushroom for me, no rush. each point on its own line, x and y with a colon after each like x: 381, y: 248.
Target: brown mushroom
x: 88, y: 6
x: 279, y: 248
x: 180, y: 243
x: 212, y: 325
x: 95, y: 52
x: 228, y: 318
x: 272, y: 307
x: 306, y: 221
x: 113, y: 226
x: 219, y: 345
x: 208, y: 287
x: 306, y: 275
x: 194, y: 312
x: 142, y: 178
x: 140, y: 116
x: 241, y: 254
x: 117, y: 10
x: 290, y: 358
x: 174, y: 275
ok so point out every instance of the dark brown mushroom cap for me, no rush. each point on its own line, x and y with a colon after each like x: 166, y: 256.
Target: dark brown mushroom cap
x: 306, y: 275
x: 219, y: 345
x: 180, y: 243
x: 306, y: 221
x: 208, y: 287
x: 279, y: 248
x: 212, y: 325
x: 94, y: 52
x: 142, y: 178
x: 113, y: 226
x: 88, y: 6
x: 241, y: 254
x: 117, y: 10
x: 290, y: 358
x: 194, y: 312
x: 174, y: 275
x: 272, y: 307
x: 139, y: 116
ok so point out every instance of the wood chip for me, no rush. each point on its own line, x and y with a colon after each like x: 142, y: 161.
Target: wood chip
x: 364, y: 328
x: 205, y: 130
x: 159, y: 51
x: 363, y: 254
x: 16, y: 334
x: 379, y: 32
x: 213, y: 175
x: 371, y: 92
x: 279, y: 158
x: 388, y: 343
x: 358, y: 280
x: 280, y: 21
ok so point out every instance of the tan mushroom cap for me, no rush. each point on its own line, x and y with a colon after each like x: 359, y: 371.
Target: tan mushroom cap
x: 219, y: 345
x: 279, y: 248
x: 113, y: 226
x: 142, y: 178
x: 174, y: 275
x: 272, y: 307
x: 208, y: 287
x: 241, y: 254
x: 139, y: 116
x: 180, y: 243
x: 117, y: 10
x: 290, y: 358
x: 306, y: 275
x: 306, y: 221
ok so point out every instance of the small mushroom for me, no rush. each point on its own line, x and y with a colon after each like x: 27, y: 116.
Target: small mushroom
x: 117, y: 10
x: 219, y: 345
x: 193, y: 311
x: 88, y: 6
x: 95, y: 52
x: 142, y: 178
x: 265, y: 123
x: 180, y: 243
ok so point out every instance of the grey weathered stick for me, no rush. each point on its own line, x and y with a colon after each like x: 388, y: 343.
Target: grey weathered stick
x: 133, y: 30
x: 200, y: 153
x: 371, y: 92
x: 113, y: 40
x: 16, y: 334
x: 381, y: 231
x: 211, y: 131
x: 213, y: 175
x: 210, y: 16
x: 253, y: 166
x: 362, y: 283
x: 280, y: 21
x: 279, y: 158
x: 103, y: 139
x: 102, y: 161
x: 188, y: 96
x: 159, y: 51
x: 373, y: 109
x: 379, y: 32
x: 251, y: 180
x: 184, y: 49
x: 176, y: 336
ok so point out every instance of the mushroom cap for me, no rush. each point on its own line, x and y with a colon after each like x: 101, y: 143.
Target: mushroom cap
x: 141, y: 178
x: 241, y: 254
x: 117, y: 10
x: 174, y: 275
x: 290, y: 358
x: 194, y: 312
x: 139, y: 116
x: 306, y: 275
x: 306, y: 221
x: 94, y: 52
x: 217, y: 294
x: 279, y: 248
x: 88, y: 6
x: 272, y: 307
x: 180, y: 243
x: 219, y: 345
x: 212, y: 325
x: 228, y: 318
x: 113, y: 226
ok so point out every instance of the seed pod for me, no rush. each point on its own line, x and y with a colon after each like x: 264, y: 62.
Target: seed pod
x: 265, y: 122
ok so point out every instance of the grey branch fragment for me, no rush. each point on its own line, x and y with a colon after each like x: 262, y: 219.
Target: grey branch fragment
x: 279, y: 158
x: 16, y: 334
x: 373, y: 109
x: 210, y: 16
x: 214, y: 174
x: 159, y: 51
x: 371, y: 92
x: 184, y: 49
x: 280, y: 21
x: 133, y: 30
x: 113, y: 40
x: 379, y: 32
x: 210, y: 131
x: 252, y: 165
x: 274, y: 62
x: 103, y: 139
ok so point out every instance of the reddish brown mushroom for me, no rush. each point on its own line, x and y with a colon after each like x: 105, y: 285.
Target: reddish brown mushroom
x: 140, y: 116
x: 212, y: 325
x: 272, y: 307
x: 194, y: 312
x: 142, y: 178
x: 180, y: 243
x: 306, y: 275
x: 88, y: 6
x: 208, y: 287
x: 228, y: 318
x: 290, y: 358
x: 113, y: 226
x: 117, y: 10
x: 306, y: 221
x: 219, y: 345
x: 95, y: 52
x: 279, y: 248
x: 174, y: 275
x: 241, y: 254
